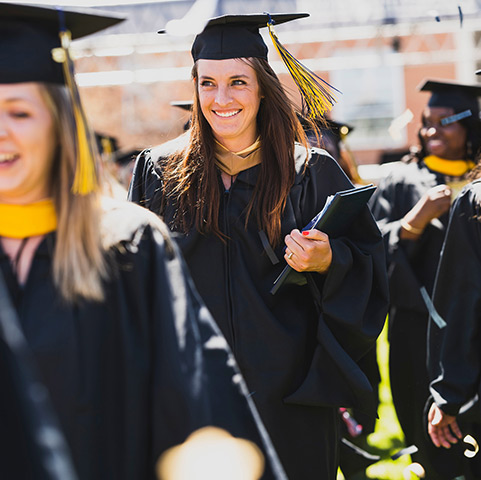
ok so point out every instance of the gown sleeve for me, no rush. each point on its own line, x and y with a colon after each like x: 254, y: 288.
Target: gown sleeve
x: 386, y: 209
x: 353, y: 300
x: 454, y: 358
x: 412, y: 264
x: 393, y: 199
x: 145, y: 186
x: 195, y: 380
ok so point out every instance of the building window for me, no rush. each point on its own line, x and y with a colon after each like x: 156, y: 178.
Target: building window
x: 372, y: 97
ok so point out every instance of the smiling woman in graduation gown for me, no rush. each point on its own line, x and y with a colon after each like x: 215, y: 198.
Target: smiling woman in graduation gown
x: 135, y: 374
x: 129, y: 355
x: 411, y: 206
x: 298, y: 349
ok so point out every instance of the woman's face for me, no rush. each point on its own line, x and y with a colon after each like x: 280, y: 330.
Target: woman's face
x: 27, y: 144
x: 445, y: 141
x: 229, y: 98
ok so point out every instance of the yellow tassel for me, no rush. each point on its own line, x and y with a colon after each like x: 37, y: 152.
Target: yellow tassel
x: 316, y: 93
x: 85, y: 180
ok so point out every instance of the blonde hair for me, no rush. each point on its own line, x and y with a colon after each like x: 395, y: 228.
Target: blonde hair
x: 79, y: 264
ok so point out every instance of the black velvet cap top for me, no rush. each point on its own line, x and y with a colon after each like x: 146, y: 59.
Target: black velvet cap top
x: 455, y: 95
x: 236, y: 36
x: 29, y: 33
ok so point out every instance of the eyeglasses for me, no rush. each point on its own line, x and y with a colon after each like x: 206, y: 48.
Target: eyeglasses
x: 446, y: 121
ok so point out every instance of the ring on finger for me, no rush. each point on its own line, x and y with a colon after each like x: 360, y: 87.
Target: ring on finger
x: 290, y: 255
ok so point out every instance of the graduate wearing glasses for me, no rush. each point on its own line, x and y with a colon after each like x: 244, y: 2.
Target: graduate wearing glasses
x: 412, y: 206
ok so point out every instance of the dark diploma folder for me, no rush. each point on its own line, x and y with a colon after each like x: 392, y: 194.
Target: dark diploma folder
x: 334, y: 219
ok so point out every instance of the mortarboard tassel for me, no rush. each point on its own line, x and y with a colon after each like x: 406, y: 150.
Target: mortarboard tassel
x: 317, y: 94
x: 85, y: 180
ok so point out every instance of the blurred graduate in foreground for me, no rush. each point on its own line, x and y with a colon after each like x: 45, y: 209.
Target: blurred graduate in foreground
x: 130, y: 357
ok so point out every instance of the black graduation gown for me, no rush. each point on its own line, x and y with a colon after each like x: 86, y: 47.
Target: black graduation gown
x: 298, y: 363
x: 32, y: 445
x: 411, y: 265
x: 454, y: 358
x: 137, y: 373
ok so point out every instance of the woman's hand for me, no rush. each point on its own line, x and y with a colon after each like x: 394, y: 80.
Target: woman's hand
x: 308, y: 251
x: 432, y: 204
x: 442, y: 428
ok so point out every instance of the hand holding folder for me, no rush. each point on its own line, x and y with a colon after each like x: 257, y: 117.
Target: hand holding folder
x: 334, y: 219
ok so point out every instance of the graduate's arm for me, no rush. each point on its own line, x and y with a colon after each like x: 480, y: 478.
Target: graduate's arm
x: 434, y: 203
x: 443, y: 428
x: 353, y: 296
x: 354, y: 287
x: 394, y: 198
x: 308, y: 251
x: 396, y: 218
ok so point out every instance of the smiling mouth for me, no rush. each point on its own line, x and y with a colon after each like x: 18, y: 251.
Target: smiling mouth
x: 435, y: 142
x: 8, y: 157
x: 226, y: 114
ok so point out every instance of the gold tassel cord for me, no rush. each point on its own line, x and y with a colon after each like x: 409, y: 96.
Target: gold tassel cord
x: 317, y: 94
x: 85, y: 180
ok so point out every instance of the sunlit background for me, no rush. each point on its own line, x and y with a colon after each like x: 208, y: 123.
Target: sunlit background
x: 375, y: 51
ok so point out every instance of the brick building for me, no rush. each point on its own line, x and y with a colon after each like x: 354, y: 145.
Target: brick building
x: 375, y: 51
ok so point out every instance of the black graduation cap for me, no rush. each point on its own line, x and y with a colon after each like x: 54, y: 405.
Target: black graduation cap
x: 29, y: 33
x: 455, y: 95
x: 109, y: 145
x: 106, y: 144
x: 333, y: 135
x: 238, y: 36
x: 339, y: 129
x: 326, y: 126
x: 185, y: 105
x: 35, y: 47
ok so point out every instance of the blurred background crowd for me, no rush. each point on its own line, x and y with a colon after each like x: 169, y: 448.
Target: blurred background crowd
x: 376, y: 52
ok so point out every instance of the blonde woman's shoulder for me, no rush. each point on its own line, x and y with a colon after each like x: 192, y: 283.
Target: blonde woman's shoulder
x: 124, y: 221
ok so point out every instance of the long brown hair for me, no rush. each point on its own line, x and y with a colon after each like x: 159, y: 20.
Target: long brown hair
x: 191, y: 178
x: 78, y: 262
